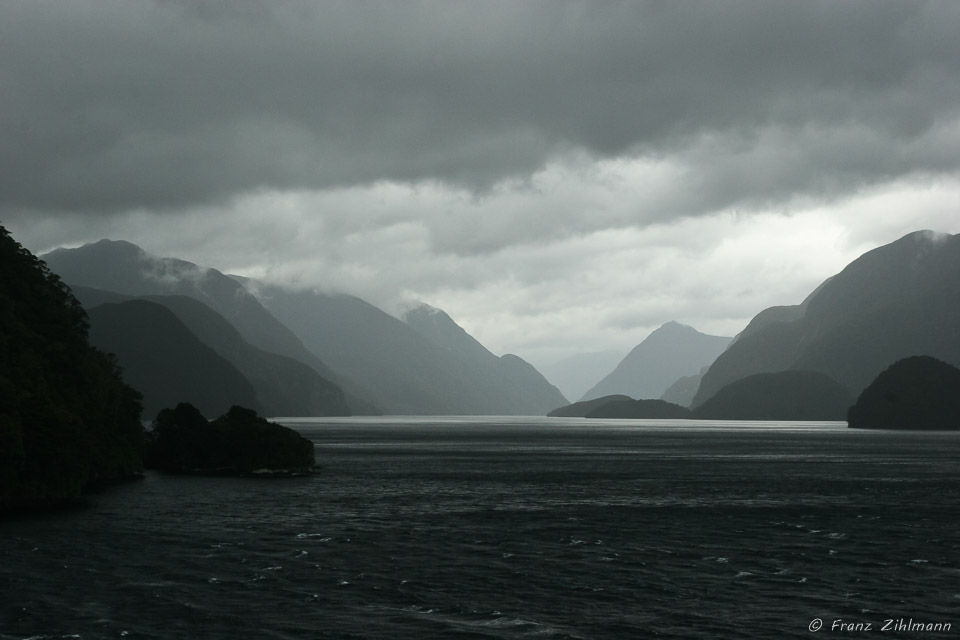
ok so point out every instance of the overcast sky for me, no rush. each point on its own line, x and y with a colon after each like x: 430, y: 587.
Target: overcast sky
x: 560, y: 177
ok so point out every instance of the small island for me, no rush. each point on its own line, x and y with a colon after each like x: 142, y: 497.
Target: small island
x: 182, y: 440
x: 582, y: 408
x: 641, y: 409
x: 919, y: 392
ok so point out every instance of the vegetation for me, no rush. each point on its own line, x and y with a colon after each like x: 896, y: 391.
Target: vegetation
x: 67, y: 420
x: 240, y: 442
x: 919, y: 392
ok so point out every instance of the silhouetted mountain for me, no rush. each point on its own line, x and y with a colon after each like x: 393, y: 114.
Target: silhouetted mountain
x: 641, y: 409
x: 576, y: 374
x: 893, y: 302
x: 124, y: 268
x: 582, y: 408
x: 669, y: 353
x: 400, y: 369
x: 919, y: 392
x: 785, y: 395
x: 67, y: 420
x: 284, y: 386
x: 518, y: 384
x: 165, y: 361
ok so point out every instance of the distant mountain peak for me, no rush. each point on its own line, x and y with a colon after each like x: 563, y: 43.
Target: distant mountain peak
x: 674, y: 323
x: 673, y: 326
x: 106, y: 246
x: 672, y: 351
x: 118, y: 244
x: 930, y: 235
x: 418, y: 307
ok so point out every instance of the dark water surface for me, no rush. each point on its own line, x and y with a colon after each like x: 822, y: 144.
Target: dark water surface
x: 513, y: 528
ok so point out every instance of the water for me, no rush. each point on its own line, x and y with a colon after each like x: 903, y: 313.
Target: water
x: 512, y: 528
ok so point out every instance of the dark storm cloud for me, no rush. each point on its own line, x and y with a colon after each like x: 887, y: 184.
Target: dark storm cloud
x: 110, y: 105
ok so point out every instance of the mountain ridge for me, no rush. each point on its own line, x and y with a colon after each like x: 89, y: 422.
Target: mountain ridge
x: 895, y: 301
x: 375, y: 357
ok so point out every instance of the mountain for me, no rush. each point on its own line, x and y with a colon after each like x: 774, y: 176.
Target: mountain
x: 401, y: 369
x: 895, y: 301
x: 919, y: 392
x: 522, y: 388
x: 576, y: 374
x: 376, y: 357
x: 122, y: 267
x: 284, y: 386
x: 167, y: 363
x: 669, y: 353
x: 67, y: 419
x: 784, y: 395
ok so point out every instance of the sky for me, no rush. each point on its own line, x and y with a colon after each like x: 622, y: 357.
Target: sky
x: 560, y: 177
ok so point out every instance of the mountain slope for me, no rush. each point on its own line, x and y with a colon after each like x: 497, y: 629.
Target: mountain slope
x: 284, y: 386
x: 669, y: 353
x: 896, y: 301
x: 167, y: 363
x: 521, y: 388
x: 401, y: 370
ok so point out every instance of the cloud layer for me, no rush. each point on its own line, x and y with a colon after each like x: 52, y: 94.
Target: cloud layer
x: 112, y: 105
x: 556, y: 175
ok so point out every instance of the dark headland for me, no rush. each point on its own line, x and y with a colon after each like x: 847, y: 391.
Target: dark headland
x: 67, y: 420
x: 919, y: 392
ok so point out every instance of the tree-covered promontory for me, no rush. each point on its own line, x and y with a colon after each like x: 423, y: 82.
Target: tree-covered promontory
x: 239, y: 442
x: 67, y: 420
x: 919, y: 392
